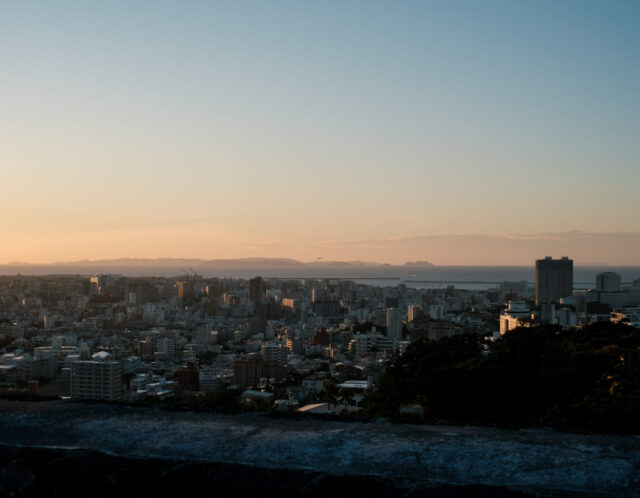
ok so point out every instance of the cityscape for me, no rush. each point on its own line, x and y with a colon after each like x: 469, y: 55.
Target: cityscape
x: 320, y: 249
x: 309, y: 351
x: 305, y: 351
x: 279, y: 341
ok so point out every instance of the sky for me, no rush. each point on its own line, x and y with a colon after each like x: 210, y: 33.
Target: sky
x: 339, y: 130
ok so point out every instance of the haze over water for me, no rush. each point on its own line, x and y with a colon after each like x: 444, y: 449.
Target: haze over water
x: 462, y: 277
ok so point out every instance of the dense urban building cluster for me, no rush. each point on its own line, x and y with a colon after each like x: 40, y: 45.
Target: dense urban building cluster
x: 558, y: 302
x: 280, y: 341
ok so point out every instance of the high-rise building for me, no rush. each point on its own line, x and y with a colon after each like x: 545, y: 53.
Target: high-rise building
x: 256, y: 290
x: 295, y: 345
x: 185, y: 290
x: 274, y: 352
x: 394, y: 323
x: 436, y: 312
x: 608, y: 281
x: 554, y: 279
x: 203, y: 335
x: 166, y: 348
x: 247, y: 370
x: 414, y: 312
x: 99, y: 379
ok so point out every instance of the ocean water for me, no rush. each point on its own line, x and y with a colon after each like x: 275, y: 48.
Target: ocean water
x: 486, y: 277
x: 461, y: 277
x: 482, y: 276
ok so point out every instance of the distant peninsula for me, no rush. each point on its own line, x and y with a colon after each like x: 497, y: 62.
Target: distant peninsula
x: 418, y: 264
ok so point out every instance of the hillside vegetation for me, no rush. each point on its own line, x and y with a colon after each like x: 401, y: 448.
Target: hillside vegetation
x: 584, y: 380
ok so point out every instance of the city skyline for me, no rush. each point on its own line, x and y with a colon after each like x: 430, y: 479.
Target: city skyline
x: 362, y: 131
x: 320, y: 248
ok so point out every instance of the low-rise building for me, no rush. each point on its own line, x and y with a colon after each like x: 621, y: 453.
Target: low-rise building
x: 516, y: 315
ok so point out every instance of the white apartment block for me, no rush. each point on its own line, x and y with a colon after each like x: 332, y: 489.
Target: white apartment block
x: 98, y: 379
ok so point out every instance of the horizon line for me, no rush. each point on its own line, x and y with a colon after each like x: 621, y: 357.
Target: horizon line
x: 256, y: 259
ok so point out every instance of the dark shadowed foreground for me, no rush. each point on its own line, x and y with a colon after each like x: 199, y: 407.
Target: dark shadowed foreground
x: 57, y: 472
x: 312, y: 457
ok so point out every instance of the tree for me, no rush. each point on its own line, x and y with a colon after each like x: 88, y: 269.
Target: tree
x: 345, y: 397
x: 329, y: 394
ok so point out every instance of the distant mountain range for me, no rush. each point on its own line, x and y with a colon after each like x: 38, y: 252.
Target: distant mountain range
x: 238, y: 267
x: 193, y: 263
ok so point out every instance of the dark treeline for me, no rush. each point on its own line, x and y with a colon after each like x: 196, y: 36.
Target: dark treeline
x: 582, y: 380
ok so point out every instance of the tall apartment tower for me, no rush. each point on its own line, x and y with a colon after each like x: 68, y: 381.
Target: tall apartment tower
x: 256, y: 290
x: 554, y: 279
x: 394, y: 323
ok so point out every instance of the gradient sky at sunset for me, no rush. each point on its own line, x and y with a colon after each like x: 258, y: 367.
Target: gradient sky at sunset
x: 343, y: 130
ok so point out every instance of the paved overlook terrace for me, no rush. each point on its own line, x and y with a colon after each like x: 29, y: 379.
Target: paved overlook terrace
x: 534, y: 460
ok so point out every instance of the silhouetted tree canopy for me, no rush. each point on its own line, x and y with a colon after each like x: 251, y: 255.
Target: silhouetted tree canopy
x: 587, y: 380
